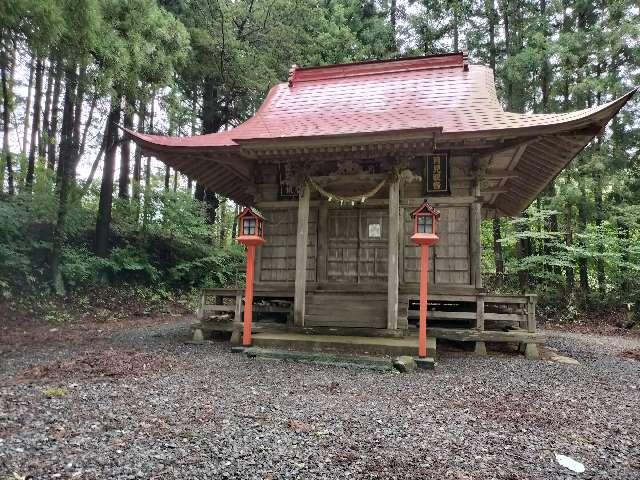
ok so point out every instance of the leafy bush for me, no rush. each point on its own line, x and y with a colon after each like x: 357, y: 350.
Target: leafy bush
x: 174, y: 249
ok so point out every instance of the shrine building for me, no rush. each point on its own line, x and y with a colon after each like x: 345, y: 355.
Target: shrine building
x: 337, y: 159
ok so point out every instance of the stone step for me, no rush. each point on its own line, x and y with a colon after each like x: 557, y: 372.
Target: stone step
x: 385, y: 346
x: 321, y: 358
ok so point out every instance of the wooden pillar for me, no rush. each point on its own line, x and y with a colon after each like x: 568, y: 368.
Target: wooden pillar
x: 302, y: 238
x: 321, y: 257
x: 392, y: 254
x: 475, y: 249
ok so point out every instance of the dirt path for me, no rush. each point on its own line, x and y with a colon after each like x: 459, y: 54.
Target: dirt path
x: 137, y: 402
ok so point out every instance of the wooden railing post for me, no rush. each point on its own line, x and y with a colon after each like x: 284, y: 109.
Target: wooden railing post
x: 200, y: 311
x: 480, y: 312
x: 531, y: 349
x: 531, y: 312
x: 481, y: 347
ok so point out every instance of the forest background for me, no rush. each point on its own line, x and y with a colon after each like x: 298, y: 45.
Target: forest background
x: 84, y: 214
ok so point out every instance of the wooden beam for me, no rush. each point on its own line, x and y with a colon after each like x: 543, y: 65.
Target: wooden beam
x: 491, y: 175
x: 498, y: 174
x: 508, y: 145
x: 302, y: 238
x: 493, y: 191
x: 513, y: 163
x: 392, y: 254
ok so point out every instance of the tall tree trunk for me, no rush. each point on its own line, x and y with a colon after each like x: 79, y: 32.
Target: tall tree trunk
x: 137, y: 159
x: 194, y: 105
x: 52, y: 133
x: 497, y: 251
x: 147, y: 171
x: 624, y: 237
x: 6, y: 110
x: 67, y: 175
x: 103, y: 224
x: 508, y: 49
x: 175, y: 181
x: 492, y: 20
x: 44, y: 138
x: 199, y: 193
x: 222, y: 231
x: 212, y: 120
x: 599, y: 219
x: 77, y: 120
x: 456, y: 28
x: 551, y: 226
x: 85, y: 131
x: 234, y: 226
x: 27, y: 108
x: 35, y: 127
x: 167, y: 177
x: 569, y: 273
x: 211, y: 204
x: 125, y: 153
x: 94, y: 166
x: 583, y: 265
x: 545, y: 69
x: 523, y: 250
x: 393, y: 19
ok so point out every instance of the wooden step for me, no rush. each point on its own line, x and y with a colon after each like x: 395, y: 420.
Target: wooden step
x: 333, y: 309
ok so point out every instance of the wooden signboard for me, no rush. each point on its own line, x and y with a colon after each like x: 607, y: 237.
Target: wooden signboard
x: 436, y: 174
x: 287, y: 189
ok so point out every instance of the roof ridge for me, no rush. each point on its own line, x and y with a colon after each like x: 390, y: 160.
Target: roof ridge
x: 376, y: 67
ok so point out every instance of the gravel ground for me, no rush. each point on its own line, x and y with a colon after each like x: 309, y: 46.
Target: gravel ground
x: 200, y: 412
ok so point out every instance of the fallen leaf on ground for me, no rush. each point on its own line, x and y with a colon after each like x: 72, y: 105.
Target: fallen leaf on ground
x: 299, y: 427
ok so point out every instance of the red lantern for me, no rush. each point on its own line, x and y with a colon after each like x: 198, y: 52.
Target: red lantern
x: 251, y: 224
x: 425, y: 222
x: 425, y: 228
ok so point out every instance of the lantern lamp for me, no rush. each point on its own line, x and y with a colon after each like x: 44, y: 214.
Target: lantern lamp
x: 425, y: 224
x: 425, y: 229
x: 251, y: 223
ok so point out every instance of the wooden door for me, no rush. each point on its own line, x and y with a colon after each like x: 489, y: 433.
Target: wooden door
x: 357, y: 245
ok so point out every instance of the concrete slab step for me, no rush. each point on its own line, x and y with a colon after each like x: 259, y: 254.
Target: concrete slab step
x: 320, y: 358
x: 385, y: 346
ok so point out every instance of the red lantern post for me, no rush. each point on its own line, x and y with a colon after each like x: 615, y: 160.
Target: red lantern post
x: 425, y: 221
x: 251, y: 224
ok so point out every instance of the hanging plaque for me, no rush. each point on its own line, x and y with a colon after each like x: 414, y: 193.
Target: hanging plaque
x: 436, y: 174
x: 286, y: 180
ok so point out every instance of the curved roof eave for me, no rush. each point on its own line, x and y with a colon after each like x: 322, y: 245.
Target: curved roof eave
x: 229, y: 142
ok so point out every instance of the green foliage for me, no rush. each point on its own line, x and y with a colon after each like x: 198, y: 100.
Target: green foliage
x: 179, y: 250
x: 551, y: 256
x: 55, y: 392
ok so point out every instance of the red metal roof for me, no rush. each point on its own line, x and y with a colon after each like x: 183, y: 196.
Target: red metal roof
x: 439, y: 98
x: 440, y: 92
